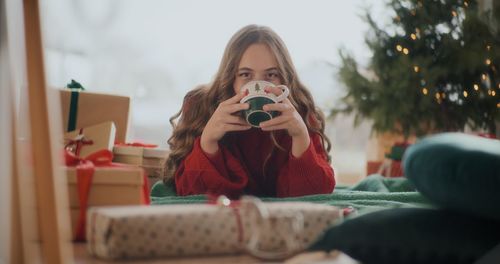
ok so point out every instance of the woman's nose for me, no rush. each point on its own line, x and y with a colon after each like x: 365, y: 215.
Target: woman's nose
x: 259, y: 77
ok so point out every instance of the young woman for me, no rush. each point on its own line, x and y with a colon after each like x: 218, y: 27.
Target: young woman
x: 213, y: 150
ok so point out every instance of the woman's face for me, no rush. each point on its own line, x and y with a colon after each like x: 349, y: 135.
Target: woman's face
x: 257, y: 63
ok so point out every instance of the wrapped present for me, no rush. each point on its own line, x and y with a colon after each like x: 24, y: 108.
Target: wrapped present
x: 82, y: 109
x: 372, y: 166
x: 96, y: 181
x: 386, y: 168
x: 266, y: 230
x: 148, y: 156
x: 391, y: 168
x: 379, y: 144
x: 391, y: 165
x: 87, y: 140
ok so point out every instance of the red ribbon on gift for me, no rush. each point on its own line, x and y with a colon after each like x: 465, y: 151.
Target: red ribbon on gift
x: 233, y: 204
x: 78, y: 142
x: 135, y: 144
x: 85, y: 168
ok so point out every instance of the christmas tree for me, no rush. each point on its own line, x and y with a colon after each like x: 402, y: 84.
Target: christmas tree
x: 434, y: 68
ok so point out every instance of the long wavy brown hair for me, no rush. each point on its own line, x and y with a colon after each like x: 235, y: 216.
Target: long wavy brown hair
x: 199, y: 104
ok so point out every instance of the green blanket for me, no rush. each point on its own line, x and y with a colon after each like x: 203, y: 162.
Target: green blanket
x: 372, y: 193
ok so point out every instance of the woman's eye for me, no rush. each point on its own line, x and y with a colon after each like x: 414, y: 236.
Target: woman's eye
x: 272, y: 75
x: 244, y: 74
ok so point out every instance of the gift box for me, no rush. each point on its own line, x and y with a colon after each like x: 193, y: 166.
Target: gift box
x: 96, y: 181
x: 83, y: 109
x: 87, y: 140
x: 266, y: 230
x: 110, y: 186
x: 380, y: 144
x: 391, y: 165
x: 151, y: 159
x: 386, y: 168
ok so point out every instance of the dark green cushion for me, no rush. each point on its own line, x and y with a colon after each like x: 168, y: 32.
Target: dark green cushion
x: 457, y: 171
x: 412, y: 235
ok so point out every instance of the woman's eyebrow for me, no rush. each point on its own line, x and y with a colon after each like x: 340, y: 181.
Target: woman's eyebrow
x: 271, y: 69
x: 245, y: 69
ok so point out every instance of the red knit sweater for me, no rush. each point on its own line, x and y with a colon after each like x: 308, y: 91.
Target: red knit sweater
x: 237, y: 167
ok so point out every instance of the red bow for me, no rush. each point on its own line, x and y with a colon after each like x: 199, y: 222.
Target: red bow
x: 79, y: 141
x: 85, y: 168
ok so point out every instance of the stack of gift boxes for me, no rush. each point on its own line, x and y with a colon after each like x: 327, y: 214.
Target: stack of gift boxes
x: 147, y: 156
x: 100, y: 173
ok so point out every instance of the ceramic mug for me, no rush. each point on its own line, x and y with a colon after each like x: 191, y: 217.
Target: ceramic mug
x: 256, y: 95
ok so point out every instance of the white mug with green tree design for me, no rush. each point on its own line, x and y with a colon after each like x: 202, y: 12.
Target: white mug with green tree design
x: 257, y: 95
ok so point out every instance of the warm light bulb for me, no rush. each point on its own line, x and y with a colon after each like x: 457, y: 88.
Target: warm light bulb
x: 413, y: 36
x: 466, y: 4
x: 476, y: 87
x: 498, y: 105
x: 489, y: 92
x: 465, y: 94
x: 415, y: 68
x: 493, y: 93
x: 424, y: 91
x: 438, y: 96
x: 406, y: 51
x: 399, y: 47
x: 483, y: 76
x: 488, y: 47
x: 488, y: 61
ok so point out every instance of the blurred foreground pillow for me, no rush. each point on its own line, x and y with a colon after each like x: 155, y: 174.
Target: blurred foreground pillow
x: 457, y: 171
x: 413, y: 235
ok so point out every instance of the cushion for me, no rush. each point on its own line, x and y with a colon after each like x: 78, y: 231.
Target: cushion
x: 412, y: 235
x: 379, y: 183
x: 160, y: 189
x: 457, y: 171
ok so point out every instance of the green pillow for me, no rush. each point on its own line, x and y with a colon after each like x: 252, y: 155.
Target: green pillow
x: 412, y: 235
x: 160, y: 189
x: 457, y: 171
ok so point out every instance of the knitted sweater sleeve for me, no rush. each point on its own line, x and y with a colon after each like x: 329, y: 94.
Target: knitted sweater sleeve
x: 308, y: 174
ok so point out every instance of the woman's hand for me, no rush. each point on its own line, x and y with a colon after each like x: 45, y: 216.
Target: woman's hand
x: 290, y: 120
x: 222, y: 121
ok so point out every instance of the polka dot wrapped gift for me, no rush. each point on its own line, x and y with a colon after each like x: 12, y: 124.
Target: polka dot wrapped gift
x: 271, y: 230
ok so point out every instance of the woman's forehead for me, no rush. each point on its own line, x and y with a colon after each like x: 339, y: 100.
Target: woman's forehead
x: 258, y: 57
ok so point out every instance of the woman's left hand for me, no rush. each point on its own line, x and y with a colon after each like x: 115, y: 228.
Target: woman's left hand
x: 289, y: 119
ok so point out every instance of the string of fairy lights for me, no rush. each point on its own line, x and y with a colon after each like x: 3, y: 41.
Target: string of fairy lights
x: 484, y: 81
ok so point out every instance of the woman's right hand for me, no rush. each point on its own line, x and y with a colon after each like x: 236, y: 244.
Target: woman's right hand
x: 222, y: 121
